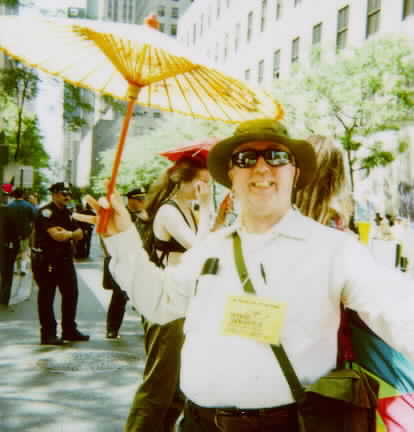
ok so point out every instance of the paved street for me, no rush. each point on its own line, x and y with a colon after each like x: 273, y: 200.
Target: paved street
x: 81, y: 387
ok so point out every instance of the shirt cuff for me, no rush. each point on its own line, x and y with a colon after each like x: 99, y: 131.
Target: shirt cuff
x: 118, y: 243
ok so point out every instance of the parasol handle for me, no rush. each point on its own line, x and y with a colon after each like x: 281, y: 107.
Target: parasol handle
x: 104, y: 214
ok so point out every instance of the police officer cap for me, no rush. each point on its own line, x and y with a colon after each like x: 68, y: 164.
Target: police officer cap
x: 61, y: 187
x: 136, y: 193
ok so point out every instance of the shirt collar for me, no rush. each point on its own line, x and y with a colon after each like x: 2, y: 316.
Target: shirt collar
x: 292, y: 225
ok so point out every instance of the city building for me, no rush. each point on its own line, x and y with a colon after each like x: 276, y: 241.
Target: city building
x: 262, y: 40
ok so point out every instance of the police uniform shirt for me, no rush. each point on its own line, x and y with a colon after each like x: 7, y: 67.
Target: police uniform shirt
x: 48, y: 217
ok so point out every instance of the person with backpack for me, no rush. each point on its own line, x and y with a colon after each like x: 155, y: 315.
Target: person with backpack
x: 171, y: 229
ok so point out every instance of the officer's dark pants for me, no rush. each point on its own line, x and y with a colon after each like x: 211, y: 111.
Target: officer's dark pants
x: 62, y: 275
x: 205, y: 421
x: 116, y: 310
x: 158, y: 402
x: 9, y: 255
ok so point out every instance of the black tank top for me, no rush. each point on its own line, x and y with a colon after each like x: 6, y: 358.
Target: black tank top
x: 172, y: 245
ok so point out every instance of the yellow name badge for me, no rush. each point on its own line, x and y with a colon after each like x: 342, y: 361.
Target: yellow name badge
x: 254, y: 317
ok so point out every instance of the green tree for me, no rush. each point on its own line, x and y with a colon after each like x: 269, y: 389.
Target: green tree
x: 10, y: 3
x: 75, y: 105
x: 363, y: 92
x: 21, y: 84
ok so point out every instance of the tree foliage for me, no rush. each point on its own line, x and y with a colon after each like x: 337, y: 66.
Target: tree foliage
x: 364, y: 92
x: 75, y: 105
x: 20, y: 83
x: 141, y: 162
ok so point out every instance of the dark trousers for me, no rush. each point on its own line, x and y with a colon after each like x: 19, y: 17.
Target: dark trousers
x: 116, y: 309
x: 48, y: 277
x: 9, y: 255
x: 158, y: 402
x: 283, y: 419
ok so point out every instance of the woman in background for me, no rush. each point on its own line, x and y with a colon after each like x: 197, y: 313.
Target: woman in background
x: 327, y: 199
x: 172, y: 229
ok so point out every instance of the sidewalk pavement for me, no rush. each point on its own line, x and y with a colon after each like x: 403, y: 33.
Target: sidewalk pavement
x: 79, y: 387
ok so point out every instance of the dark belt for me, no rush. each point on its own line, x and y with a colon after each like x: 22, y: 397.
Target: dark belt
x: 213, y: 414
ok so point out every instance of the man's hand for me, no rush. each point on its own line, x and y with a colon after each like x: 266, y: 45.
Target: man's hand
x: 119, y: 220
x: 61, y: 235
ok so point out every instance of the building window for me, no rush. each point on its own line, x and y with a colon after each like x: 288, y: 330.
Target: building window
x: 115, y: 15
x: 157, y: 114
x: 201, y: 25
x: 295, y: 50
x: 408, y: 8
x: 249, y: 26
x: 124, y: 11
x: 297, y: 2
x: 174, y: 12
x: 228, y: 3
x: 162, y: 27
x: 216, y: 53
x: 342, y: 28
x: 263, y: 15
x: 161, y: 11
x: 218, y: 8
x: 109, y: 8
x: 173, y: 30
x: 237, y: 37
x: 276, y: 64
x: 130, y: 11
x: 260, y: 71
x: 209, y: 17
x: 279, y: 7
x: 317, y: 34
x: 373, y: 16
x: 226, y: 46
x: 247, y: 74
x: 194, y: 33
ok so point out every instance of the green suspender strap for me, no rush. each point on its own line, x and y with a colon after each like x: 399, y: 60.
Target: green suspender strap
x: 278, y: 350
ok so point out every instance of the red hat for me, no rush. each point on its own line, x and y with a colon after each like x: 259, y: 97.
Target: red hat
x: 7, y: 188
x: 197, y: 149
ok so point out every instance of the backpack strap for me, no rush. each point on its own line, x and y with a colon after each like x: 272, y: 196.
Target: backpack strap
x: 279, y: 352
x: 174, y: 204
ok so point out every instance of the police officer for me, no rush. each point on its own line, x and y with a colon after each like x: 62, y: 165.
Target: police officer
x: 136, y: 207
x: 52, y: 265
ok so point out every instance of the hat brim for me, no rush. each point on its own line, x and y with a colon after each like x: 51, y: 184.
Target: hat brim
x: 220, y: 155
x: 135, y: 196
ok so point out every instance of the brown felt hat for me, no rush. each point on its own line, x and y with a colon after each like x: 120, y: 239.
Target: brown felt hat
x: 261, y: 130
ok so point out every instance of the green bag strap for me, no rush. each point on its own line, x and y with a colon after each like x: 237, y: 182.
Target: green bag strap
x: 278, y: 350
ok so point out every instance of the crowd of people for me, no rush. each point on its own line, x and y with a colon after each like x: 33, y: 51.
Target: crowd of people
x: 282, y: 240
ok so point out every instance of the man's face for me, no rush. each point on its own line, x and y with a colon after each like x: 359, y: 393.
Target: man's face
x: 136, y: 204
x: 62, y: 198
x: 264, y: 190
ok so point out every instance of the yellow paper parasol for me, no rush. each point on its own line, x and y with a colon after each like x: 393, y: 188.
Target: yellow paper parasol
x: 135, y: 63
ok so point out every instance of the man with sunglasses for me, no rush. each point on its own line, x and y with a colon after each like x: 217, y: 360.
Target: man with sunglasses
x: 297, y: 272
x: 52, y: 265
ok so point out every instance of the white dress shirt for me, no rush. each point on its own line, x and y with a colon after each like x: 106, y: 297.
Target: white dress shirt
x: 306, y: 265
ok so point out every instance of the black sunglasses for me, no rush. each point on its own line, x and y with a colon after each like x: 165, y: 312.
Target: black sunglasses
x: 249, y: 158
